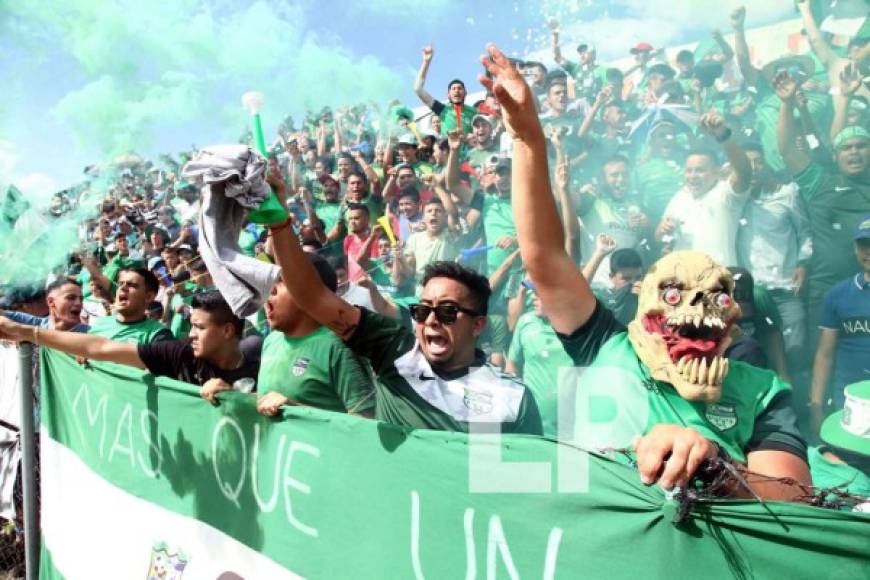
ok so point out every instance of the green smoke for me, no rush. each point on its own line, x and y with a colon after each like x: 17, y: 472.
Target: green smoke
x: 142, y: 72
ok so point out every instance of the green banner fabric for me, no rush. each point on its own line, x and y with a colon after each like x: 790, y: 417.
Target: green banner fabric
x: 143, y: 478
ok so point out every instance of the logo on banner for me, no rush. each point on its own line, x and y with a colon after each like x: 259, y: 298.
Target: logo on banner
x: 165, y: 564
x: 300, y: 366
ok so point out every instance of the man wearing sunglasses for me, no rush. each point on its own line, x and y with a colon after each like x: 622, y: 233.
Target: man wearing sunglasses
x: 433, y: 377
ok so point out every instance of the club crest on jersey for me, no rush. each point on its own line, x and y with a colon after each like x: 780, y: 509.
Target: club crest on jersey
x: 721, y: 416
x: 300, y: 366
x: 477, y: 402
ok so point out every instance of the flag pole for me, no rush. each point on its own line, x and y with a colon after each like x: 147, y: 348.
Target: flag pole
x: 28, y: 462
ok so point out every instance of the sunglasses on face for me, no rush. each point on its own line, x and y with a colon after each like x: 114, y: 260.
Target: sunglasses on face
x: 445, y: 313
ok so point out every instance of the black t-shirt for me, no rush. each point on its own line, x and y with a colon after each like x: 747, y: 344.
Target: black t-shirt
x: 174, y: 359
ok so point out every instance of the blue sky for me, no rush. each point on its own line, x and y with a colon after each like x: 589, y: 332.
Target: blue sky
x: 87, y: 78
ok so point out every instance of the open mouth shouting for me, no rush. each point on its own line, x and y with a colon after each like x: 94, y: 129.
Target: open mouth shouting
x: 693, y: 343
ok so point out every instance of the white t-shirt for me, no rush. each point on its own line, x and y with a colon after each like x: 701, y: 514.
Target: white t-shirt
x: 708, y: 223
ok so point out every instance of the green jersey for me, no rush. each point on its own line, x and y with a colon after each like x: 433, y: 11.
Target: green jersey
x: 144, y: 331
x: 835, y: 205
x: 619, y: 398
x: 828, y: 474
x: 317, y: 370
x: 412, y: 394
x: 536, y: 348
x: 498, y: 222
x: 658, y: 180
x: 451, y: 120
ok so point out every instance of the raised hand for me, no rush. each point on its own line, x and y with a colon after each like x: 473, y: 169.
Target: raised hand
x: 850, y: 80
x: 738, y: 17
x: 562, y: 176
x: 713, y: 124
x: 604, y: 244
x: 454, y: 139
x: 514, y: 95
x: 428, y: 53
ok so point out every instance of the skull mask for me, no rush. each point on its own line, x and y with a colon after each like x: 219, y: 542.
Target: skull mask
x: 685, y: 312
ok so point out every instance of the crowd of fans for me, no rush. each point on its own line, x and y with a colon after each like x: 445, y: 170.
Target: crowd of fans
x: 770, y: 178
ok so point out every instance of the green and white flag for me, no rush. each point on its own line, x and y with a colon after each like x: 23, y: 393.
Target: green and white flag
x: 142, y: 478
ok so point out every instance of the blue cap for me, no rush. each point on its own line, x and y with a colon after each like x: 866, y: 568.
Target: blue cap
x: 154, y: 262
x: 862, y: 228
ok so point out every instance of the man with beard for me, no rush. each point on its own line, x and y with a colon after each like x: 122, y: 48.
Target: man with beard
x: 454, y: 115
x: 137, y: 288
x: 433, y: 377
x: 64, y: 300
x: 676, y: 394
x: 612, y: 213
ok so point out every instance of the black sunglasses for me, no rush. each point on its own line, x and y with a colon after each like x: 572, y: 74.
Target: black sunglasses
x: 444, y: 313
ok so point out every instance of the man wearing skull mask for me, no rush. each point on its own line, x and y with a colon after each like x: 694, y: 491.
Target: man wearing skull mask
x: 695, y: 405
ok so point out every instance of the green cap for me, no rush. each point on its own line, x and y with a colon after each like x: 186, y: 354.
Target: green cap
x: 850, y: 133
x: 849, y: 429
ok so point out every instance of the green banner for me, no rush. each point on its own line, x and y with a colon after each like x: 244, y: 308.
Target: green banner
x: 171, y: 481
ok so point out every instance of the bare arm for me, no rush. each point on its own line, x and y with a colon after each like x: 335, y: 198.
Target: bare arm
x: 822, y: 365
x: 307, y: 289
x: 569, y: 216
x: 603, y: 96
x: 420, y: 81
x: 564, y: 291
x: 751, y: 74
x: 814, y: 35
x: 604, y: 245
x: 75, y: 343
x: 449, y: 208
x: 850, y: 82
x: 778, y: 464
x: 321, y: 139
x: 515, y: 307
x: 557, y: 52
x: 727, y: 51
x: 497, y: 277
x: 381, y: 304
x: 786, y: 131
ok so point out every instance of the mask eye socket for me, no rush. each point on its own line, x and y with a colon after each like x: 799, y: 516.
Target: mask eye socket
x: 724, y: 301
x: 671, y: 296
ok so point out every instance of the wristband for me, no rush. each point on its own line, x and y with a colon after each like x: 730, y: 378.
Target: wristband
x: 283, y: 225
x: 725, y: 136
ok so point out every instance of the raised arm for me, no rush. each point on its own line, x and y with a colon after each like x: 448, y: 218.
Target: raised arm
x: 749, y: 72
x: 87, y: 346
x: 727, y: 51
x: 304, y: 284
x: 603, y: 97
x: 741, y: 170
x: 557, y: 52
x: 565, y: 293
x: 786, y: 130
x: 604, y: 246
x: 850, y: 82
x: 814, y: 35
x: 420, y: 81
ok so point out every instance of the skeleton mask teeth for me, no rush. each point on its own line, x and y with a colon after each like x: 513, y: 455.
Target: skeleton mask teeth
x: 699, y: 373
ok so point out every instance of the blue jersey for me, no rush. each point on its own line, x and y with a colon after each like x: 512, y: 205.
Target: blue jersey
x: 847, y: 310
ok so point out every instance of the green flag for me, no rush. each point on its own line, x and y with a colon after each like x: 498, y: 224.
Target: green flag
x: 140, y: 475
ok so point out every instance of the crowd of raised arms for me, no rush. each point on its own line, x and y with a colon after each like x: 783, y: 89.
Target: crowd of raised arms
x: 693, y: 225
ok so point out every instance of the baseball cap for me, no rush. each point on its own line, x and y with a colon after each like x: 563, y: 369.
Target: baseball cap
x: 408, y: 139
x: 585, y: 47
x: 799, y: 66
x: 187, y: 247
x: 641, y: 47
x: 849, y: 428
x: 480, y: 117
x: 862, y: 228
x: 154, y: 262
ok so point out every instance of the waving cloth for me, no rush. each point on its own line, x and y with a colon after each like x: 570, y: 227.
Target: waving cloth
x: 233, y: 180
